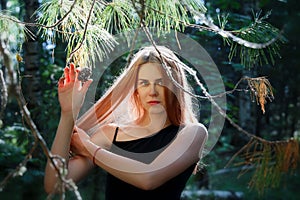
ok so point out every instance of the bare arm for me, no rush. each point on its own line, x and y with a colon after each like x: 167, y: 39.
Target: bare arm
x: 60, y: 147
x: 179, y: 155
x: 71, y: 96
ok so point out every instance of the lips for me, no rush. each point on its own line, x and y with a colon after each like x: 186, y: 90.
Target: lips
x: 152, y: 103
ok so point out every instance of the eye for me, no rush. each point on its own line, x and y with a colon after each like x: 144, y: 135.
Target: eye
x: 159, y: 82
x: 143, y: 83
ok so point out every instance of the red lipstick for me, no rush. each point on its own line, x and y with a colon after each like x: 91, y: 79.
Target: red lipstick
x: 152, y: 103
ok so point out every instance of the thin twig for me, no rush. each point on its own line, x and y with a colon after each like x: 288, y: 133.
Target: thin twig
x: 41, y: 25
x: 228, y: 34
x: 15, y: 86
x: 251, y: 141
x: 22, y: 164
x: 85, y: 31
x: 204, y: 91
x: 209, y: 26
x: 3, y: 97
x: 132, y: 46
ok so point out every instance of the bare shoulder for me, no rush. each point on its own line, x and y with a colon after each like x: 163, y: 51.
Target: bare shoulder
x: 104, y: 135
x: 108, y: 129
x: 196, y: 129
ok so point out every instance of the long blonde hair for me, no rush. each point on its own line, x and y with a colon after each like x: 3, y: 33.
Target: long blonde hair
x: 178, y: 103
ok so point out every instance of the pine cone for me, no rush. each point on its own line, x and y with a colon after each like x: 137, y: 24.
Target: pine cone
x: 84, y: 74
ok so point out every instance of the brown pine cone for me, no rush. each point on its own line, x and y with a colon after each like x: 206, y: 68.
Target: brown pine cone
x: 84, y: 74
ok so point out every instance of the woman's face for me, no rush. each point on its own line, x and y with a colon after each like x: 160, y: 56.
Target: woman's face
x: 150, y: 88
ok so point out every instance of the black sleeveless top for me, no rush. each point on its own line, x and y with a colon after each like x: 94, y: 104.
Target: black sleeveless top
x: 146, y: 150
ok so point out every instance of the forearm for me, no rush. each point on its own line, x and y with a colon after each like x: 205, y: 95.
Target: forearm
x: 60, y: 147
x: 61, y: 143
x: 180, y: 154
x: 139, y: 174
x: 71, y: 94
x: 119, y: 166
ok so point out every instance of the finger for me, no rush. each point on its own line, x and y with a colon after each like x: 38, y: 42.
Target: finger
x: 72, y: 72
x: 77, y: 85
x: 77, y: 82
x: 61, y: 82
x: 80, y: 131
x: 75, y: 129
x: 86, y: 85
x: 66, y: 73
x: 77, y: 73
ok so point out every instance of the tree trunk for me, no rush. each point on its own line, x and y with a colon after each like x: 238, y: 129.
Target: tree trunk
x: 31, y: 58
x: 3, y: 4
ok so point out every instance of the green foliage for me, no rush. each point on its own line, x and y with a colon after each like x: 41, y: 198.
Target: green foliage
x: 16, y: 140
x: 165, y: 16
x: 71, y: 28
x: 15, y: 136
x: 257, y: 31
x: 12, y: 31
x: 87, y: 26
x: 262, y: 32
x: 118, y: 16
x: 14, y: 143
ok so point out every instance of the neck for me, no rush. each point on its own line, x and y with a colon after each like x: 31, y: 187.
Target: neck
x: 154, y: 122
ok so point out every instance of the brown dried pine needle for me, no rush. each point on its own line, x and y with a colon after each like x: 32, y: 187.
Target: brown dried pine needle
x: 261, y: 90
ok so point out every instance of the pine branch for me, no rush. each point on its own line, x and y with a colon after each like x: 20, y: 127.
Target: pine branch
x: 270, y: 159
x: 229, y: 34
x: 252, y: 42
x: 84, y: 32
x: 119, y: 16
x: 57, y: 22
x: 265, y: 168
x: 17, y: 21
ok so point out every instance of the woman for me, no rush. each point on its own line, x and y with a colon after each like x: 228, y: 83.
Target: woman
x: 145, y: 134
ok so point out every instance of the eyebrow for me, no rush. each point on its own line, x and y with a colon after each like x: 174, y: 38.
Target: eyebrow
x: 141, y: 79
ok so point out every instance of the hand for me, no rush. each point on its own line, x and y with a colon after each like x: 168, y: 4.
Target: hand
x: 71, y: 92
x: 79, y: 142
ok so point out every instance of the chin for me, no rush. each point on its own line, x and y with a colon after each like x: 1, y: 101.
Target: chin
x: 157, y: 109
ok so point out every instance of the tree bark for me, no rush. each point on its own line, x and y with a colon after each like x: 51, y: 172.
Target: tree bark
x: 3, y: 4
x: 31, y: 57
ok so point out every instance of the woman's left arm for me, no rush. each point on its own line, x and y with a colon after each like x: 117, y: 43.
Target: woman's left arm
x: 185, y: 150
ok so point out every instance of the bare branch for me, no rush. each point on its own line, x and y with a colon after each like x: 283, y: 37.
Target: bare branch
x: 41, y: 25
x: 15, y: 86
x: 3, y: 93
x: 228, y: 34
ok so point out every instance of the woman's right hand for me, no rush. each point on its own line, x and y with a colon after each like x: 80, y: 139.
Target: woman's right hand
x: 71, y: 91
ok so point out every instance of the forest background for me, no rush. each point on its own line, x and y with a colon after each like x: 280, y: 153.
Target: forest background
x: 279, y: 122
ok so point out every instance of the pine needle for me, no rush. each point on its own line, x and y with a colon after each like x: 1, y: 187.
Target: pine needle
x: 261, y: 90
x: 270, y: 159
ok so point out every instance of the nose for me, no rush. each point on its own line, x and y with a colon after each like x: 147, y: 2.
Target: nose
x: 153, y: 90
